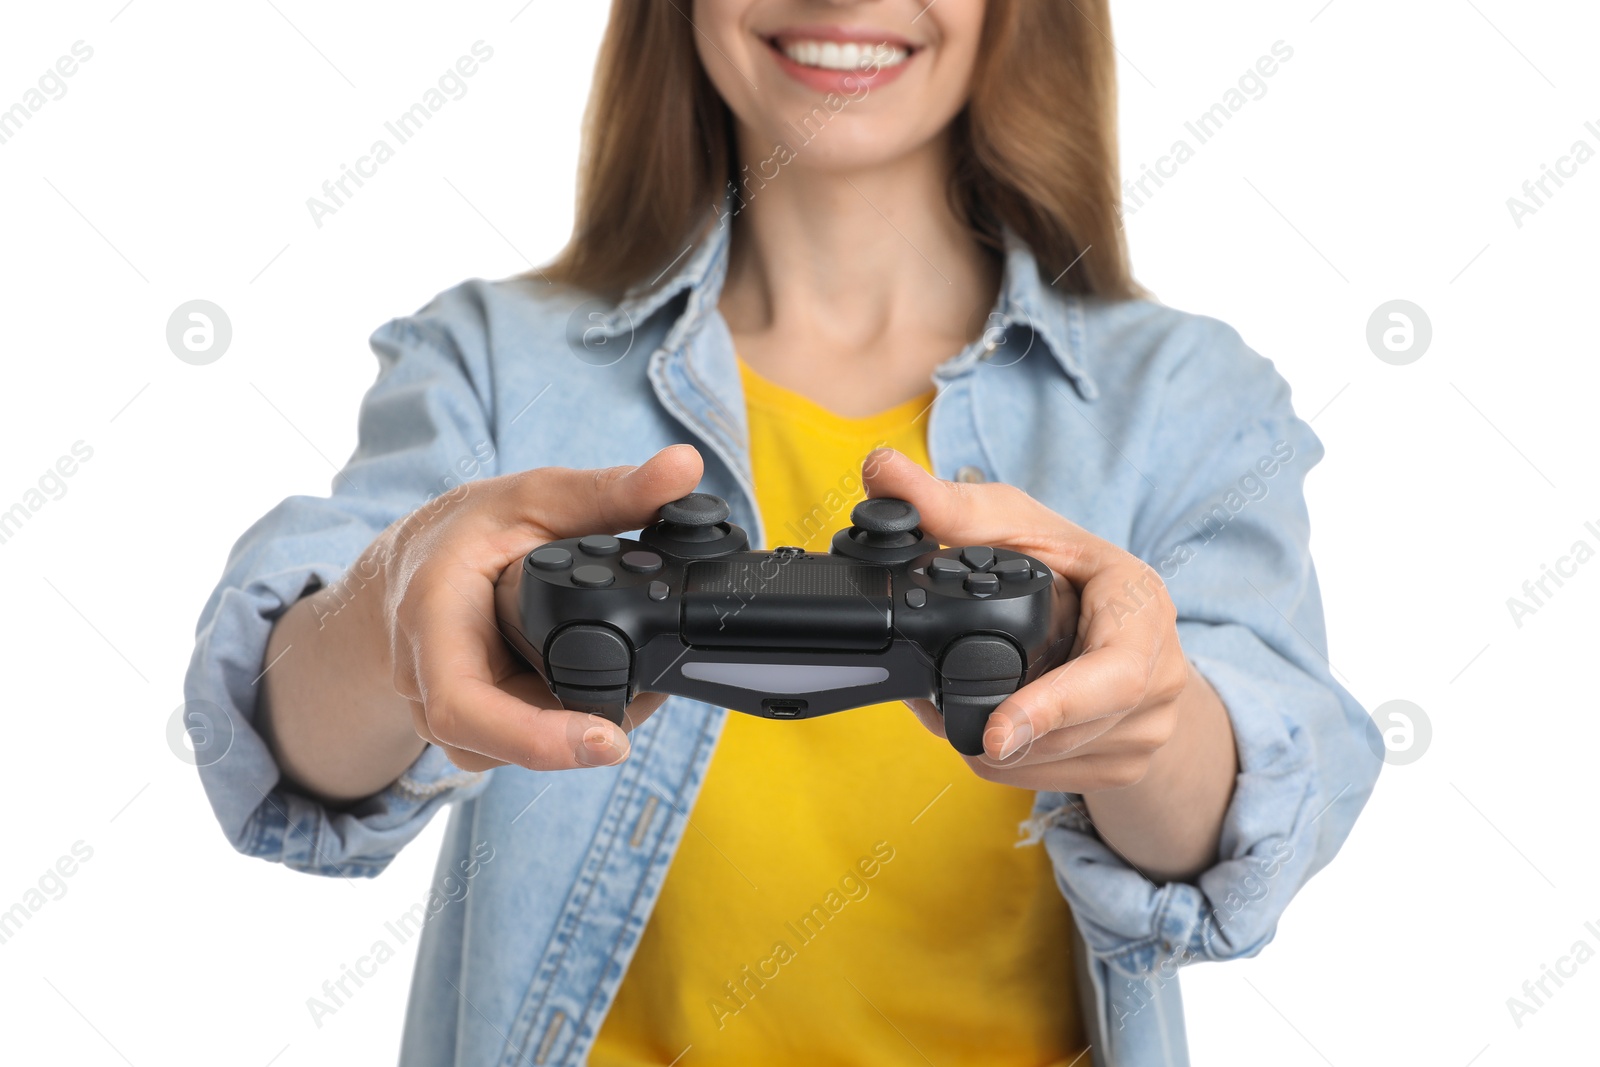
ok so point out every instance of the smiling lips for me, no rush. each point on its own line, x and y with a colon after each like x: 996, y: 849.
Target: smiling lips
x: 841, y: 59
x: 848, y: 55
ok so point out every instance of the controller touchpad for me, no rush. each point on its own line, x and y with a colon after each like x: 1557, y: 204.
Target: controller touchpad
x: 799, y: 602
x: 785, y: 677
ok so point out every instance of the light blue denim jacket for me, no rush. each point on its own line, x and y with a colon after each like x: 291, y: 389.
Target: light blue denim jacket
x: 1157, y: 430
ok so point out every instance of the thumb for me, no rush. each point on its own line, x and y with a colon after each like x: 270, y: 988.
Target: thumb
x: 988, y: 513
x: 571, y: 503
x: 957, y: 513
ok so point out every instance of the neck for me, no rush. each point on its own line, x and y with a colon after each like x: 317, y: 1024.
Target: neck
x: 844, y: 263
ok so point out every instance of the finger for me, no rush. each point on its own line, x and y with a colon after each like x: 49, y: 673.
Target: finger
x: 570, y: 503
x: 641, y: 708
x: 1081, y: 699
x: 1087, y: 774
x: 529, y: 688
x: 1052, y: 747
x: 927, y: 713
x: 467, y: 761
x: 961, y: 513
x: 466, y: 709
x: 1136, y: 734
x: 482, y: 719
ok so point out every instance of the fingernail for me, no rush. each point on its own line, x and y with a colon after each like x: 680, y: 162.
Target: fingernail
x: 600, y: 748
x: 1015, y: 738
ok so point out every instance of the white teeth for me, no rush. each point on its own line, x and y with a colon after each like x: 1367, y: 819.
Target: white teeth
x: 833, y: 55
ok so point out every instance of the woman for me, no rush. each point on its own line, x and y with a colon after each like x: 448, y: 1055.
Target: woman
x: 824, y: 250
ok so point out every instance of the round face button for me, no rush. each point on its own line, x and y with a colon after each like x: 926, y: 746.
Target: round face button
x: 592, y: 576
x: 600, y: 545
x: 550, y: 558
x: 916, y: 598
x: 659, y: 591
x: 641, y: 562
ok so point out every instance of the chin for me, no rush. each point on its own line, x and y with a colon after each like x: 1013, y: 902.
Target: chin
x: 846, y: 143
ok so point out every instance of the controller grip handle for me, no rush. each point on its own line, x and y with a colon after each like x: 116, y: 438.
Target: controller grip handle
x: 965, y: 718
x: 590, y: 669
x: 976, y: 675
x: 606, y: 703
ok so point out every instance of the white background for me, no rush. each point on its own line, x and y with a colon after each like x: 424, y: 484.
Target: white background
x: 1376, y: 167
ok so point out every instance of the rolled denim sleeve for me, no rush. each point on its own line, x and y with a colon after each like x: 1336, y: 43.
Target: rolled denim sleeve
x: 1226, y: 527
x: 423, y: 432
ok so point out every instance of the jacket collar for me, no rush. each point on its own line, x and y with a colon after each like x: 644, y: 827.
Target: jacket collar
x: 1025, y: 301
x: 1055, y: 317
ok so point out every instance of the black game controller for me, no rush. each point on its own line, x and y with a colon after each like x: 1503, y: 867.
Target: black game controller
x: 688, y: 610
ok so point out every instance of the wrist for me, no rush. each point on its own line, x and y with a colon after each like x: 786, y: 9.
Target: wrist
x: 1168, y: 824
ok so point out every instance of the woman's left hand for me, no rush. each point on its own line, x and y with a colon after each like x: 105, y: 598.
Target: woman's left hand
x: 1100, y: 720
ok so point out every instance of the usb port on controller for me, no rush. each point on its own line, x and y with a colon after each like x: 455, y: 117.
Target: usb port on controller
x: 782, y: 709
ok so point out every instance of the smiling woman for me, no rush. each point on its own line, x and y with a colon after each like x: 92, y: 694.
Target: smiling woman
x: 675, y: 104
x: 811, y: 227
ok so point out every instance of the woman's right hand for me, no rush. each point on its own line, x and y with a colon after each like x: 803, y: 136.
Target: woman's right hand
x: 405, y: 648
x: 469, y: 693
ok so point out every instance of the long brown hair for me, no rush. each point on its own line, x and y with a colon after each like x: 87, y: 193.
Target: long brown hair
x: 1036, y: 147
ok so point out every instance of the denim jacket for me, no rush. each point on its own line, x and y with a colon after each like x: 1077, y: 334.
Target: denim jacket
x: 1157, y: 430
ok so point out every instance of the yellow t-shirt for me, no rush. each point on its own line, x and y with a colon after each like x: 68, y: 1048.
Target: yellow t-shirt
x: 848, y: 891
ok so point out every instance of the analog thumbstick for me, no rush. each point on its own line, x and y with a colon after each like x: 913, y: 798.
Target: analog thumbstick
x: 885, y: 515
x: 695, y: 527
x: 883, y: 530
x: 695, y: 510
